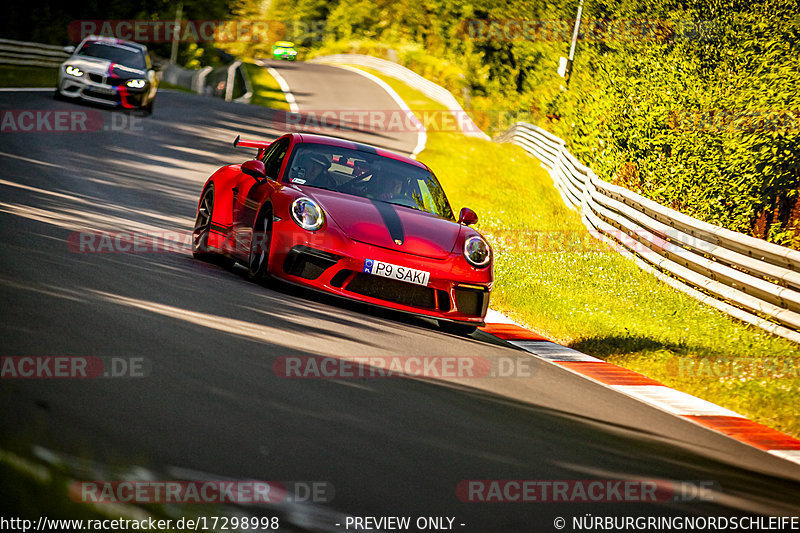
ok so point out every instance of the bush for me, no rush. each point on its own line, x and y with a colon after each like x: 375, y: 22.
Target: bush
x: 699, y: 113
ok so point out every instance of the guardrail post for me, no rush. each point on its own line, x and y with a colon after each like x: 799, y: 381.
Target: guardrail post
x: 200, y: 80
x: 230, y: 80
x: 248, y: 89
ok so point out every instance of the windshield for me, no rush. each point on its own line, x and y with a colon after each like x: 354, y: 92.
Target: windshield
x: 124, y: 55
x: 367, y: 176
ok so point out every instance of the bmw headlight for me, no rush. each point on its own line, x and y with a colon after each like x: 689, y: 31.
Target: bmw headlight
x: 135, y: 84
x: 477, y: 252
x: 307, y: 214
x: 74, y: 71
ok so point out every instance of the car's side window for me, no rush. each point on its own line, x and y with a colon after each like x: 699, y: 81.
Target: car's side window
x: 268, y: 153
x: 274, y: 158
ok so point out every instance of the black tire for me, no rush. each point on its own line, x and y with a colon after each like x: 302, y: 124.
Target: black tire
x: 260, y: 243
x: 57, y: 95
x: 457, y: 328
x: 147, y: 110
x: 202, y: 225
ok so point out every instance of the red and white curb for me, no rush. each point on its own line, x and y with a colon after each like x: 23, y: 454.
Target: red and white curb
x: 645, y: 389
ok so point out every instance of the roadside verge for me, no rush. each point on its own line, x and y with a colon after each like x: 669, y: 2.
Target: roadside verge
x: 553, y: 277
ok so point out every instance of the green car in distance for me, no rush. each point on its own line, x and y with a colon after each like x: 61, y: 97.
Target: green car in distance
x: 284, y: 50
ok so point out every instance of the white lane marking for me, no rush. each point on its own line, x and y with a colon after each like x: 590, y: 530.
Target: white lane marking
x: 422, y: 136
x: 674, y: 401
x: 27, y: 89
x: 554, y: 352
x: 287, y: 91
x: 496, y: 317
x: 27, y: 160
x: 789, y: 455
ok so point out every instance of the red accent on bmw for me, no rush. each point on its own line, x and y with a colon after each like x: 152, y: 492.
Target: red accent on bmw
x: 351, y: 220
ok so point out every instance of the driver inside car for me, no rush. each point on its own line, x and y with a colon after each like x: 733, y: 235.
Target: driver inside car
x: 313, y: 170
x: 389, y: 187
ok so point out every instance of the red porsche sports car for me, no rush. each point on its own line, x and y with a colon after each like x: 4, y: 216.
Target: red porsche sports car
x: 351, y: 220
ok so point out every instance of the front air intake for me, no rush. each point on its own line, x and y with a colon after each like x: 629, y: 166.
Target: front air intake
x: 308, y: 263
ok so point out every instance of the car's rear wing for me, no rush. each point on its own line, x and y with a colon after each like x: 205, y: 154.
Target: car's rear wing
x: 261, y: 145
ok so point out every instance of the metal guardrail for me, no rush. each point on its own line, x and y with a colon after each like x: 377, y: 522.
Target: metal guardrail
x: 426, y: 87
x: 31, y: 54
x: 751, y: 279
x: 44, y: 55
x: 224, y: 82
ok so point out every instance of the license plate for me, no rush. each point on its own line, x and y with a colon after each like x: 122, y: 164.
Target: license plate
x: 104, y: 90
x: 400, y: 273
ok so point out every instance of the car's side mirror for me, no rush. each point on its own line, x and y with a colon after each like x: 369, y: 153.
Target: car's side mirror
x: 69, y: 49
x: 467, y: 216
x: 254, y: 168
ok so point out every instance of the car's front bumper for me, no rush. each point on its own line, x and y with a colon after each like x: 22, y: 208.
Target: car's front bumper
x: 333, y: 263
x: 103, y: 93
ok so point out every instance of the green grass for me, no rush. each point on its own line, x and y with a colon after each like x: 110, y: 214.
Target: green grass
x: 172, y: 86
x: 552, y: 276
x: 266, y: 91
x: 13, y: 76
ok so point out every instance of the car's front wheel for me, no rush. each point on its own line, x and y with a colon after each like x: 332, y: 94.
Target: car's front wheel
x: 146, y: 110
x: 257, y: 267
x: 202, y: 225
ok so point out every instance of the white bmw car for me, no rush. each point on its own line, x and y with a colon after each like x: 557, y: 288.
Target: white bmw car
x: 110, y: 72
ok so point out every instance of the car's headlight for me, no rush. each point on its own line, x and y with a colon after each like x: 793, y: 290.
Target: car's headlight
x: 307, y: 214
x: 292, y: 52
x: 477, y: 252
x: 74, y: 71
x: 135, y: 84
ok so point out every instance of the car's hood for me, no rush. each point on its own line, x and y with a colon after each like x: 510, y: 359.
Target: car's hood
x: 390, y: 226
x: 104, y: 67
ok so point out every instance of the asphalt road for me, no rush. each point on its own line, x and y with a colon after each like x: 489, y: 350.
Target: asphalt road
x: 212, y: 405
x: 319, y: 89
